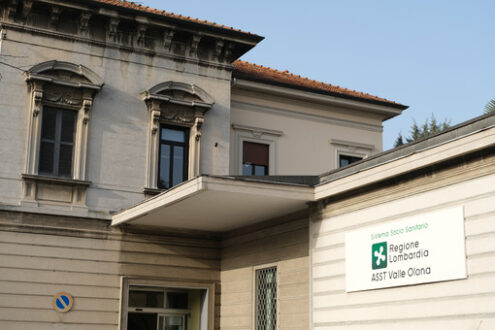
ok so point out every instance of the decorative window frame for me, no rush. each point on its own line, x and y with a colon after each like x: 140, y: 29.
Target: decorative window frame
x: 257, y: 135
x: 161, y: 104
x: 348, y: 148
x: 208, y: 318
x: 68, y: 86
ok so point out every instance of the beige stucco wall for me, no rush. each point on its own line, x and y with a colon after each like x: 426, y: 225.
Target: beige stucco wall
x: 118, y: 132
x: 307, y: 130
x: 41, y: 256
x: 282, y: 243
x: 459, y: 304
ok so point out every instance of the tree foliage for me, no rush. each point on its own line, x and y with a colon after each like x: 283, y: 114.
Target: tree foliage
x: 490, y: 106
x: 430, y: 127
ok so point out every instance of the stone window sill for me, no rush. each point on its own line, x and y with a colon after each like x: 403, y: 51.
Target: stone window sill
x: 153, y: 191
x: 54, y: 179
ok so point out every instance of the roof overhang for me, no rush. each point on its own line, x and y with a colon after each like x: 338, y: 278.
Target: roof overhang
x: 385, y: 110
x: 217, y: 204
x: 222, y: 204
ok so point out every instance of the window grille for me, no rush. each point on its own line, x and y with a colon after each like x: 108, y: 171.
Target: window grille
x: 266, y: 298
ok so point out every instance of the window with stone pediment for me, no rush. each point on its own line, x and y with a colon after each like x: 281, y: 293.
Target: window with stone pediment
x: 176, y: 110
x: 348, y: 152
x: 62, y: 97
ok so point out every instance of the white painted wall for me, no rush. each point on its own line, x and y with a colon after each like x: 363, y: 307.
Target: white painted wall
x: 459, y: 304
x: 307, y: 130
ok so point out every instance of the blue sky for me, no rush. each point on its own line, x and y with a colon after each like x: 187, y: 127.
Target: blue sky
x: 438, y: 57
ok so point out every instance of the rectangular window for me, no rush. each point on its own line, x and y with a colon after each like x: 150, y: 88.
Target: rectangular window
x: 266, y: 298
x: 345, y: 160
x: 255, y: 158
x: 163, y: 308
x: 174, y: 142
x: 57, y: 142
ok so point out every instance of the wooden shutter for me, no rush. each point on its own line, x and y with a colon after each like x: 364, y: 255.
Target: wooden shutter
x: 255, y: 153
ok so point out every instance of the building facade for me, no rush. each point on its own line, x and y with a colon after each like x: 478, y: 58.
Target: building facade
x: 156, y: 181
x: 107, y: 104
x: 451, y: 174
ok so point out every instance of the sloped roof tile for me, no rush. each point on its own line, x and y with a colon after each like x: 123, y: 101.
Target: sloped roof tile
x: 259, y: 72
x: 145, y: 9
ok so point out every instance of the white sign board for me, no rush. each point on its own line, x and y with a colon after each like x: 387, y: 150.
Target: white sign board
x: 424, y: 248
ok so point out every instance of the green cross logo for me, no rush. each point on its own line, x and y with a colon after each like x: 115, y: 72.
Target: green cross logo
x: 379, y: 255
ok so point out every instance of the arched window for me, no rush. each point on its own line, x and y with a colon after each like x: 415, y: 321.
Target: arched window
x: 176, y: 117
x: 62, y: 96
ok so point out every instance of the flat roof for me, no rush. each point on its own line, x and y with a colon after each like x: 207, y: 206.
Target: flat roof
x: 217, y: 204
x: 465, y: 128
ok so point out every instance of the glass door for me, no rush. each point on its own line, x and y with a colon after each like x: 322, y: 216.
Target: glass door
x: 171, y: 322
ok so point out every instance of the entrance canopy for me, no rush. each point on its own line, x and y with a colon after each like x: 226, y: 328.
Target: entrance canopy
x: 217, y: 204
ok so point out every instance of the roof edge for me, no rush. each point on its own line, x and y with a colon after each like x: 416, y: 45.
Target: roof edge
x: 318, y: 91
x: 460, y: 130
x: 173, y: 18
x: 262, y: 74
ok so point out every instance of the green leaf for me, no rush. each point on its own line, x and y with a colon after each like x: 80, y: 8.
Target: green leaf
x: 490, y: 106
x: 430, y: 127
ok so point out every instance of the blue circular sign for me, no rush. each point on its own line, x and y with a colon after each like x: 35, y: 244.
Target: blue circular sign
x: 62, y: 302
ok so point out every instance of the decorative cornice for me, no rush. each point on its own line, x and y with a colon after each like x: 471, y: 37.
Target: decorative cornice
x: 4, y: 26
x: 257, y: 130
x: 155, y: 91
x: 12, y: 9
x: 351, y: 144
x: 55, y: 16
x: 289, y: 92
x: 26, y: 8
x: 36, y: 72
x: 136, y: 33
x: 164, y: 105
x: 37, y: 98
x: 168, y: 34
x: 83, y: 27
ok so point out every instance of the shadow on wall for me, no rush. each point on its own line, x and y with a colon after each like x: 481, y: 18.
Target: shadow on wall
x: 276, y: 240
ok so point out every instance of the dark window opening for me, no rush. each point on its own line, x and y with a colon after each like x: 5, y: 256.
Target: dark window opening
x: 57, y: 142
x: 345, y: 160
x: 155, y: 308
x: 141, y: 298
x: 141, y: 321
x: 255, y: 158
x: 174, y: 143
x: 177, y: 300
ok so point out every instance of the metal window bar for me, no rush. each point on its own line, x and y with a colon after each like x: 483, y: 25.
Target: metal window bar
x: 266, y: 299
